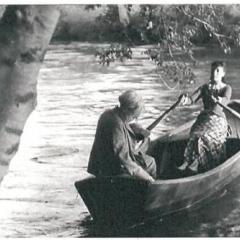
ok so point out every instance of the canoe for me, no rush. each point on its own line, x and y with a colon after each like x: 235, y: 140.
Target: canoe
x: 122, y: 200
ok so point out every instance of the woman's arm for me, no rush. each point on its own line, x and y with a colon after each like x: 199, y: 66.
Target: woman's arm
x: 225, y: 98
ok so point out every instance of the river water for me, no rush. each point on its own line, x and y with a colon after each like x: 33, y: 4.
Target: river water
x: 37, y: 196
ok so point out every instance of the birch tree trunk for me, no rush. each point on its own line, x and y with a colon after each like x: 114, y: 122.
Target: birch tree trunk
x: 25, y: 32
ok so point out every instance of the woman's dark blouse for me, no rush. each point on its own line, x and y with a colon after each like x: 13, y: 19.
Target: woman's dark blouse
x: 225, y: 93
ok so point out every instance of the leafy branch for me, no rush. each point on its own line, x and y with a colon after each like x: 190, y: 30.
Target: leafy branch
x: 221, y: 38
x: 113, y: 53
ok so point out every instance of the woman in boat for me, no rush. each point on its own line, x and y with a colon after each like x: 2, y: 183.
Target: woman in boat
x: 206, y: 146
x: 113, y: 150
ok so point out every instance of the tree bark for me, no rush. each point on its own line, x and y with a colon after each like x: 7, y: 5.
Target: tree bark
x: 25, y: 32
x: 123, y: 15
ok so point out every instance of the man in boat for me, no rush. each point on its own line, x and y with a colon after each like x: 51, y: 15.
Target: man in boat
x: 206, y: 146
x: 113, y: 151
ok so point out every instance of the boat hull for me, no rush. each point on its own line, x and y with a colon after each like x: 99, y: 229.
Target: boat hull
x: 168, y: 196
x: 123, y: 200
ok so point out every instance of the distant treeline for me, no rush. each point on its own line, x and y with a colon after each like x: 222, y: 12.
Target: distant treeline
x: 97, y: 32
x: 89, y: 31
x: 97, y: 25
x: 149, y: 24
x: 102, y: 25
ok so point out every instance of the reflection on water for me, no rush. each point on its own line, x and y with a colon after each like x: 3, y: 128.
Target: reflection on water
x: 38, y: 198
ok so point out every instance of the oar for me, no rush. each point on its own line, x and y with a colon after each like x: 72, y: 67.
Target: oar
x: 155, y: 122
x: 233, y: 112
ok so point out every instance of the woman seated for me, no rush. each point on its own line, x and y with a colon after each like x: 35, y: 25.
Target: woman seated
x: 206, y: 146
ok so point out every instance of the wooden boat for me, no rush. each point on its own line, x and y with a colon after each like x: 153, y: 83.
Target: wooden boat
x: 125, y: 200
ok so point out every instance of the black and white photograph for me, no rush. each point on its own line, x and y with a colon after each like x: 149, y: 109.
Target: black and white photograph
x: 119, y: 120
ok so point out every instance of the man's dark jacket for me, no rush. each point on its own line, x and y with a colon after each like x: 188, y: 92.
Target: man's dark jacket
x: 113, y: 148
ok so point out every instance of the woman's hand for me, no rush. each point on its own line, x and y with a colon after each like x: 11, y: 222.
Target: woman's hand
x: 151, y: 179
x: 184, y: 99
x: 215, y: 98
x: 212, y: 93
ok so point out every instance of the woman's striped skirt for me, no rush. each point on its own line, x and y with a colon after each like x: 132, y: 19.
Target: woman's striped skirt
x: 206, y: 147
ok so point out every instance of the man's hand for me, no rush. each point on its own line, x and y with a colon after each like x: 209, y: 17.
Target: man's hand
x: 140, y: 132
